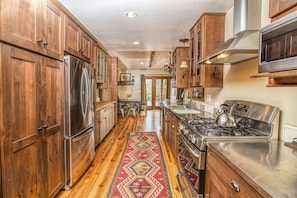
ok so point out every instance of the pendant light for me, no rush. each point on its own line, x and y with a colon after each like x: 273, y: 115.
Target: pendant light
x: 168, y: 66
x: 183, y: 63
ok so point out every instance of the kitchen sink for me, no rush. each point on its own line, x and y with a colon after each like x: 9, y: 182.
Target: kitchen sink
x: 186, y: 111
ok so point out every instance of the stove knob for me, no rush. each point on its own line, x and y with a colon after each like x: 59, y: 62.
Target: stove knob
x: 190, y: 137
x: 193, y: 140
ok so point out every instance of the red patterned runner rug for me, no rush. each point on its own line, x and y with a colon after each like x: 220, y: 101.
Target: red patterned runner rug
x: 141, y: 172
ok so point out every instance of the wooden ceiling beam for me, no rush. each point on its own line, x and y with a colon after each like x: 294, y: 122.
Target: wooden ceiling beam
x: 152, y: 58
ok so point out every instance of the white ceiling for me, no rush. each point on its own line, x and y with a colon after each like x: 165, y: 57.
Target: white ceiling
x: 159, y: 26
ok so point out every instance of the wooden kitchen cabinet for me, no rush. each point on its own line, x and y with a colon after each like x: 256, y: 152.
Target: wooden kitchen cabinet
x: 31, y: 126
x: 97, y: 129
x: 93, y: 59
x: 101, y: 75
x: 181, y: 75
x: 36, y: 25
x: 205, y: 36
x: 170, y: 131
x: 77, y: 42
x: 280, y: 8
x: 105, y: 121
x: 224, y: 180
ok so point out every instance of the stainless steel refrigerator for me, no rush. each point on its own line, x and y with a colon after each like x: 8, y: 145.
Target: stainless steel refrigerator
x: 79, y: 118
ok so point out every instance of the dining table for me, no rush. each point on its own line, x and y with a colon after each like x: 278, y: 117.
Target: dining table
x: 131, y: 103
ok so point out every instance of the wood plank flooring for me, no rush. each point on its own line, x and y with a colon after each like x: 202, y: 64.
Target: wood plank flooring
x: 97, y: 179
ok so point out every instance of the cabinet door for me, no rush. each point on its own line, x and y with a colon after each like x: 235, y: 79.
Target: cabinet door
x: 97, y: 128
x: 85, y: 46
x: 223, y: 181
x: 276, y: 7
x: 51, y: 115
x: 53, y: 30
x: 182, y: 74
x: 103, y: 123
x: 72, y: 37
x: 212, y: 75
x: 21, y: 23
x: 194, y: 59
x: 94, y: 55
x: 214, y: 187
x: 111, y: 116
x: 21, y: 145
x: 174, y: 138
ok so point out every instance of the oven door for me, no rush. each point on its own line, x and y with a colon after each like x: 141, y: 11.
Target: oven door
x: 191, y: 175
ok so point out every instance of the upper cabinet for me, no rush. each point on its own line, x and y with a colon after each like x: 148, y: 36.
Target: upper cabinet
x: 205, y: 36
x: 101, y: 73
x: 77, y: 42
x: 36, y: 25
x: 181, y: 73
x: 280, y: 8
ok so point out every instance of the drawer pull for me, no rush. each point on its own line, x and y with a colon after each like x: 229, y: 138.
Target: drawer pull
x: 235, y: 186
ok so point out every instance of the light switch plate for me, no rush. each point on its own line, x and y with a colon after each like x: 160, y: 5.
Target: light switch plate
x: 208, y: 97
x: 290, y: 132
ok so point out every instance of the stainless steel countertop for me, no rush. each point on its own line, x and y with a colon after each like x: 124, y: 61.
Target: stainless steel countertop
x: 271, y: 164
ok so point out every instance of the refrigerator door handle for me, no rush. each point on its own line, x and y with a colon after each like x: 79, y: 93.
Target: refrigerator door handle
x: 84, y: 92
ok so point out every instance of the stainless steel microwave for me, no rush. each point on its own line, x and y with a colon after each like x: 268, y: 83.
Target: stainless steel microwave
x: 278, y: 45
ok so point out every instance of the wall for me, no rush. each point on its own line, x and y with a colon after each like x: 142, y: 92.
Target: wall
x: 135, y: 90
x: 239, y: 85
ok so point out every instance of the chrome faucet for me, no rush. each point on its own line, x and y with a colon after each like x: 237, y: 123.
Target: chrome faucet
x: 189, y: 91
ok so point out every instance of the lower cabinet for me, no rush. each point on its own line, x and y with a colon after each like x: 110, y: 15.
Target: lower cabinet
x: 104, y: 122
x: 222, y: 180
x: 97, y: 128
x: 31, y: 124
x: 170, y: 131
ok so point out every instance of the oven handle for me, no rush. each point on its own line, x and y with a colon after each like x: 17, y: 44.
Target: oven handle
x: 179, y: 174
x: 189, y: 146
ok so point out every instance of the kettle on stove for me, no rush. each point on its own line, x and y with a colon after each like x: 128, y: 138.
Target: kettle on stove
x: 225, y: 118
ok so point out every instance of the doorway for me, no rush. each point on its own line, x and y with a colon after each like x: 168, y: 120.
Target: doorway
x: 157, y: 89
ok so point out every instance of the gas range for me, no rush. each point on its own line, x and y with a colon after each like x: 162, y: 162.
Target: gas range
x: 252, y: 122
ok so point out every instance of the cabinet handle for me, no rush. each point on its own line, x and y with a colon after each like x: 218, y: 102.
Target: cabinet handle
x: 45, y: 43
x: 235, y: 186
x: 39, y: 40
x: 42, y: 127
x: 81, y: 51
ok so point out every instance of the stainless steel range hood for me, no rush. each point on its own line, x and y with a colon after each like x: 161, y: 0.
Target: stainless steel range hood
x: 244, y: 44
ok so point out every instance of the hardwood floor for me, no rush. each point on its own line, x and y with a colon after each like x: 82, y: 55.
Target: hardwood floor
x: 97, y: 179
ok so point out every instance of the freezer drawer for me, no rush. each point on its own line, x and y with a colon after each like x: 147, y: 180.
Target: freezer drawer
x: 80, y: 152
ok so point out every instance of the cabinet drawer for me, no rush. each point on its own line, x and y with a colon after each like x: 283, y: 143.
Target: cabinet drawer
x: 229, y: 178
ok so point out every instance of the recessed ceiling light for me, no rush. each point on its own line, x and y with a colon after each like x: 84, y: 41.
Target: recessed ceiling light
x: 141, y: 63
x: 131, y: 14
x: 136, y: 43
